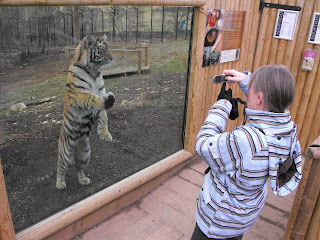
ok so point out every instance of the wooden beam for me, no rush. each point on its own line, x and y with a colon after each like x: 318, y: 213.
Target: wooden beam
x: 6, y: 226
x: 196, y: 88
x: 139, y: 53
x: 113, y: 208
x: 195, y: 3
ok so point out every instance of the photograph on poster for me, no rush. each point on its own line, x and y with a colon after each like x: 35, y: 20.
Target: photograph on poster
x: 309, y: 59
x: 223, y: 36
x: 314, y: 35
x: 285, y: 24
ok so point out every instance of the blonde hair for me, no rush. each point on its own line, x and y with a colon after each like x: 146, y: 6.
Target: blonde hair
x: 277, y: 86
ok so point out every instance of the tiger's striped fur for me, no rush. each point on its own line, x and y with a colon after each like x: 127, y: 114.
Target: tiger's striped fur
x: 85, y: 104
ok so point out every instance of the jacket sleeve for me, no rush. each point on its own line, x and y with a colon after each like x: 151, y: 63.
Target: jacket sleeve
x: 244, y: 84
x: 225, y: 151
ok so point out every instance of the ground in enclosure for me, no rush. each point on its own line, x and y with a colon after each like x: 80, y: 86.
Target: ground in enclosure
x: 146, y: 123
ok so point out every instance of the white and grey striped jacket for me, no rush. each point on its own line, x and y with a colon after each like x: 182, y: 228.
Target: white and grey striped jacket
x: 241, y: 161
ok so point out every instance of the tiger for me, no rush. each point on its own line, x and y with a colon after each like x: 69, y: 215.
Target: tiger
x: 85, y: 104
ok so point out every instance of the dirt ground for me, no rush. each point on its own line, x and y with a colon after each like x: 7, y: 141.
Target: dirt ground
x: 145, y: 130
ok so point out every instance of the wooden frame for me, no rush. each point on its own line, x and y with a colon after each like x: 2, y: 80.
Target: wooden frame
x: 258, y: 48
x: 87, y: 213
x: 195, y: 3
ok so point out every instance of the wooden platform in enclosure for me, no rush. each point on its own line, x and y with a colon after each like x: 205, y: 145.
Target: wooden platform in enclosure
x: 135, y: 49
x: 125, y: 71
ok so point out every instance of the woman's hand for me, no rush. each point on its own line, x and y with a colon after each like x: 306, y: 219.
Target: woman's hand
x: 234, y: 75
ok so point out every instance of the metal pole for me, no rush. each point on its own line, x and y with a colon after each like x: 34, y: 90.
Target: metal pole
x: 162, y: 24
x: 137, y: 29
x: 113, y: 23
x: 151, y: 25
x: 187, y: 22
x: 126, y: 25
x: 91, y: 20
x: 102, y: 18
x: 177, y: 22
x: 54, y: 31
x: 82, y: 28
x: 30, y: 31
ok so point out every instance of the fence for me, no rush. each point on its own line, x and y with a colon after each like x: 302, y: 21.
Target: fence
x: 33, y: 29
x: 305, y: 214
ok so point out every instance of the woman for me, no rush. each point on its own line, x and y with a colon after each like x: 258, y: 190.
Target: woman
x: 241, y: 161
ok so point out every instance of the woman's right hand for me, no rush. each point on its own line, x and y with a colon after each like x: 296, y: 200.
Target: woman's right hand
x: 234, y: 75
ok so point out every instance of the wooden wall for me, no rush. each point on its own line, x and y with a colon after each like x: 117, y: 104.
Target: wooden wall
x: 258, y: 48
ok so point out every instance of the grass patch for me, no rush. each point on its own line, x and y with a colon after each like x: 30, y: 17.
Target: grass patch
x: 36, y: 91
x: 5, y: 139
x: 172, y: 64
x: 170, y: 56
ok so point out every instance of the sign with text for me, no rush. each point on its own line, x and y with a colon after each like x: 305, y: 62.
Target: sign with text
x: 285, y: 24
x: 314, y: 35
x: 223, y: 37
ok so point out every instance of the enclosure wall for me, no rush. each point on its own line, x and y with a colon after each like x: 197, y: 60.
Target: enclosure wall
x: 258, y: 48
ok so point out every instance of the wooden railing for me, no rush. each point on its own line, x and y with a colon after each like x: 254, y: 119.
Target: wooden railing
x: 304, y: 220
x: 118, y: 48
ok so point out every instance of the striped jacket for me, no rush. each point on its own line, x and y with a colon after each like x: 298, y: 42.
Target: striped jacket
x: 241, y: 161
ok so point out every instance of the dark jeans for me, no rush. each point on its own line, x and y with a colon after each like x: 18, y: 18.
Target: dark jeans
x: 199, y: 235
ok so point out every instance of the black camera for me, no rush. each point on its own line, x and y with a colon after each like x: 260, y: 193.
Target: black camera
x: 220, y: 78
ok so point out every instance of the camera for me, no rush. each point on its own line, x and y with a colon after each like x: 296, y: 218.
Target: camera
x: 220, y: 78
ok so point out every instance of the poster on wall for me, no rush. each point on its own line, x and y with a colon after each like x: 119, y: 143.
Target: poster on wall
x: 309, y: 59
x: 314, y: 35
x: 223, y: 36
x: 285, y: 24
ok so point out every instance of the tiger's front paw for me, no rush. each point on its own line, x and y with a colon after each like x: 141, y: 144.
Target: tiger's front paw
x: 109, y: 101
x: 105, y: 135
x: 84, y: 181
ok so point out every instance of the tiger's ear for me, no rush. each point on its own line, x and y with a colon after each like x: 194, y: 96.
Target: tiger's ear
x: 88, y: 41
x: 105, y: 38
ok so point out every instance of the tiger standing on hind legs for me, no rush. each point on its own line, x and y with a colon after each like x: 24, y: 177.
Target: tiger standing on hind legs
x: 85, y: 104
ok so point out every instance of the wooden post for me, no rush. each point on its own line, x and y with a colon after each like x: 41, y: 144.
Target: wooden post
x: 67, y: 57
x: 306, y: 198
x: 139, y: 53
x: 6, y: 226
x: 145, y: 46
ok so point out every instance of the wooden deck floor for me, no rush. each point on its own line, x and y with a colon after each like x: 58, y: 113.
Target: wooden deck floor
x: 168, y: 213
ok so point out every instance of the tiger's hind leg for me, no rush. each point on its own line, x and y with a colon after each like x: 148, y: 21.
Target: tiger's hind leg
x: 66, y: 149
x: 82, y: 158
x: 102, y: 126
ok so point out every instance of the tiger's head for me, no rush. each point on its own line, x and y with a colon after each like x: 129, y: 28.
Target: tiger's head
x: 93, y: 53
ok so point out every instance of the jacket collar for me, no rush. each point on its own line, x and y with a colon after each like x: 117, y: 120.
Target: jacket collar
x: 270, y: 122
